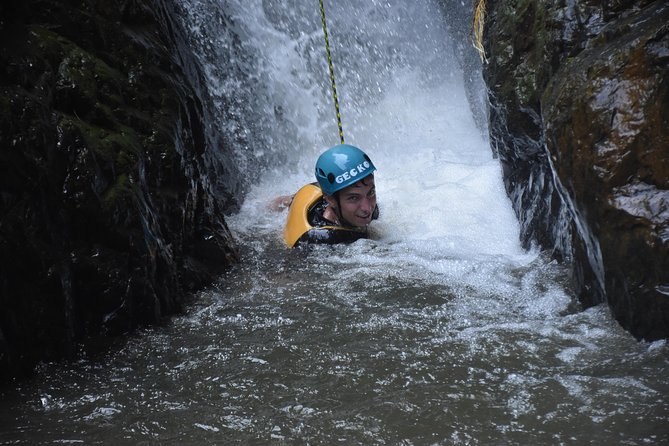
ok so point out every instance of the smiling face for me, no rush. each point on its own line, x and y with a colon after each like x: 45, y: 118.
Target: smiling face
x: 357, y: 202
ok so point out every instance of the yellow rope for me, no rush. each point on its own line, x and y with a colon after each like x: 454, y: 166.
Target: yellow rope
x: 332, y: 77
x: 477, y: 28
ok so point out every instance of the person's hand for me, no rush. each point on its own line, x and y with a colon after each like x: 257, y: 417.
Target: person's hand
x: 280, y: 203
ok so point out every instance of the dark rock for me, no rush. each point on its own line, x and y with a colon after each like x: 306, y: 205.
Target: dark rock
x: 579, y: 106
x: 109, y: 214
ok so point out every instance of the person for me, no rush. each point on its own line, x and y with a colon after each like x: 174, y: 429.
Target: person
x: 339, y: 206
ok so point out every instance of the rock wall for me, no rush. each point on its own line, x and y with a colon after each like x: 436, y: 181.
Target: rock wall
x: 579, y: 95
x: 112, y: 185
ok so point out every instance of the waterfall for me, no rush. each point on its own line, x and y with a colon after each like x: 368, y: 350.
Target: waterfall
x: 440, y: 329
x: 402, y: 94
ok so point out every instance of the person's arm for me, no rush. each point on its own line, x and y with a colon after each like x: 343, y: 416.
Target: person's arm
x: 280, y: 203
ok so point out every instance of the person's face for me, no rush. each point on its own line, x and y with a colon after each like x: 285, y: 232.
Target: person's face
x: 358, y: 202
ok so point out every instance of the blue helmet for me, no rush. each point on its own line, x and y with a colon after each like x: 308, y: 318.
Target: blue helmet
x: 340, y: 166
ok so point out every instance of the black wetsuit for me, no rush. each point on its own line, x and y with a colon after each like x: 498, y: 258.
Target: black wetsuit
x: 327, y: 232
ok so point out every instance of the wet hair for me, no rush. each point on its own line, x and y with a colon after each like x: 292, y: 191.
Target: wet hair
x: 364, y: 181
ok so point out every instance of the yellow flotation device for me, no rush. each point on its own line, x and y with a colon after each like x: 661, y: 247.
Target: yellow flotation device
x: 298, y: 229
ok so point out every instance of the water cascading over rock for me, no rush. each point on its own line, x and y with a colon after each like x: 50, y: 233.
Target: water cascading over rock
x: 579, y: 97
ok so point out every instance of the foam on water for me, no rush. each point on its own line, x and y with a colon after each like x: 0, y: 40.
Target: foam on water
x: 440, y: 330
x: 445, y: 255
x: 439, y: 189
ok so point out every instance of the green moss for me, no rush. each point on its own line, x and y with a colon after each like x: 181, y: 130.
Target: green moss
x: 526, y: 88
x: 49, y: 44
x: 76, y: 67
x: 520, y: 49
x: 120, y: 147
x: 56, y: 45
x: 5, y: 105
x: 117, y: 193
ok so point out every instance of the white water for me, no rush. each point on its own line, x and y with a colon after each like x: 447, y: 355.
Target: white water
x: 445, y: 217
x: 439, y: 330
x: 445, y: 221
x: 439, y: 189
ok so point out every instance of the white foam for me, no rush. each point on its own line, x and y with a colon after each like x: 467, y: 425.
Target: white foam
x: 439, y: 189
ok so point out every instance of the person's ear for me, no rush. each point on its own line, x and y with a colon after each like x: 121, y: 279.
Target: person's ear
x: 331, y: 200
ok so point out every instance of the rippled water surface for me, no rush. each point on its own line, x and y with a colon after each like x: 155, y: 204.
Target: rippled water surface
x: 307, y: 348
x: 439, y: 330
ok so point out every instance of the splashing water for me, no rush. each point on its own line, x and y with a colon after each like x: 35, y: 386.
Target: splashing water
x: 439, y: 330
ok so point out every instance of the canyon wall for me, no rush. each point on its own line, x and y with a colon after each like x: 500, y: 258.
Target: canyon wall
x: 579, y: 117
x: 112, y: 186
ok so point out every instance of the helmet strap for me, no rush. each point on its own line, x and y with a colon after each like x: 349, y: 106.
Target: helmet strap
x: 334, y: 205
x: 342, y: 220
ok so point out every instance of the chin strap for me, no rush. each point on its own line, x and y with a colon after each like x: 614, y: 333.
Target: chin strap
x: 342, y: 220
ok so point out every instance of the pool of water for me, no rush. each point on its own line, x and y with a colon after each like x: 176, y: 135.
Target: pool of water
x: 440, y: 329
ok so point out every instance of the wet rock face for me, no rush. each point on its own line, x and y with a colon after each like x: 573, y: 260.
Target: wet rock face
x: 580, y: 118
x: 108, y: 212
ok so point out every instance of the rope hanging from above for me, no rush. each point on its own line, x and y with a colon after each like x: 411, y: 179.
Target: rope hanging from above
x: 332, y: 76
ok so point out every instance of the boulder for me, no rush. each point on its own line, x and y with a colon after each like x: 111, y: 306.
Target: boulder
x: 110, y: 181
x: 579, y: 117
